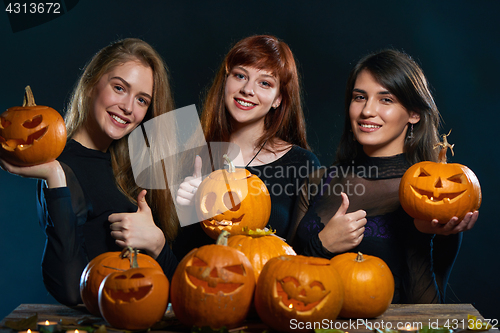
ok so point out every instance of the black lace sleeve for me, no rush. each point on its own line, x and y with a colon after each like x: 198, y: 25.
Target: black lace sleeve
x: 61, y: 212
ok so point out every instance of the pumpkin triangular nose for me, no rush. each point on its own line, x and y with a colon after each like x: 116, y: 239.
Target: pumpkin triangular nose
x: 438, y: 184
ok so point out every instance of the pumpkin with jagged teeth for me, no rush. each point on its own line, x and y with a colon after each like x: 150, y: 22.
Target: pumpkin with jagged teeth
x: 31, y: 134
x: 231, y: 200
x: 430, y: 190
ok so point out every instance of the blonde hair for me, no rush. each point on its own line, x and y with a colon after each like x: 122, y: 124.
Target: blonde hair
x: 76, y: 117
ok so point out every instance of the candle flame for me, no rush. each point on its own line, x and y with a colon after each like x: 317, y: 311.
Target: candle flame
x: 76, y: 331
x: 291, y: 306
x: 47, y: 322
x: 408, y: 326
x: 29, y: 331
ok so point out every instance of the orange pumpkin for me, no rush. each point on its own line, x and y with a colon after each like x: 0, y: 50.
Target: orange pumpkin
x: 103, y: 265
x: 430, y: 190
x: 213, y: 286
x: 259, y: 246
x: 134, y: 299
x: 368, y: 285
x: 31, y: 134
x: 232, y: 199
x: 307, y: 289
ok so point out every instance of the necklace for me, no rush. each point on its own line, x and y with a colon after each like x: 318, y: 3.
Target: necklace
x: 253, y: 158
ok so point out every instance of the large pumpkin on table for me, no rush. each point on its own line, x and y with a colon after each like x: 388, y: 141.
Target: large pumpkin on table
x: 213, y: 286
x: 307, y: 289
x: 31, y: 134
x: 232, y: 199
x: 134, y: 299
x: 430, y: 190
x: 368, y: 285
x: 103, y: 265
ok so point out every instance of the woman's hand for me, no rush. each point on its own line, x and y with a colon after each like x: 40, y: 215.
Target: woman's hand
x: 138, y: 230
x: 451, y: 227
x: 344, y: 231
x: 188, y: 188
x: 51, y: 172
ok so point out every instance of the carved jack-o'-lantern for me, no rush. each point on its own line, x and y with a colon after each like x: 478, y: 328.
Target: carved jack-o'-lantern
x: 430, y: 190
x: 134, y: 299
x: 232, y: 199
x: 31, y: 134
x: 103, y: 265
x: 307, y: 289
x: 213, y: 286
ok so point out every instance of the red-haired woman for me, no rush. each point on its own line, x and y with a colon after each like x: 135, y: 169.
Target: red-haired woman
x: 255, y: 102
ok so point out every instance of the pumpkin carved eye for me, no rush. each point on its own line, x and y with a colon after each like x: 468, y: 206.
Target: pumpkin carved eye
x: 4, y: 123
x: 208, y: 202
x: 232, y: 201
x: 423, y: 173
x: 237, y: 269
x: 33, y: 123
x: 460, y: 178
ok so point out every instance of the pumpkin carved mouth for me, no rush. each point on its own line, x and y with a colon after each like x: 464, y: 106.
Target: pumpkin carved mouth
x: 224, y: 287
x: 214, y: 279
x: 302, y: 299
x: 127, y: 295
x: 221, y: 221
x: 429, y: 196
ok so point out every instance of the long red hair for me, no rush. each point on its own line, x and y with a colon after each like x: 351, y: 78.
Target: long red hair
x: 286, y: 122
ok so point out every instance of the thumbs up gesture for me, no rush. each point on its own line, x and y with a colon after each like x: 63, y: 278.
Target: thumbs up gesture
x: 188, y: 188
x: 138, y: 229
x: 345, y: 230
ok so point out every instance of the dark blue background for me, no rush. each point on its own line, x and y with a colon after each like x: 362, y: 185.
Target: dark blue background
x: 456, y: 42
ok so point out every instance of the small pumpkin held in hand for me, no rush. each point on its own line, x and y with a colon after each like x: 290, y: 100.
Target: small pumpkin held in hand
x: 103, y: 265
x: 440, y: 191
x: 232, y: 199
x: 306, y: 289
x: 368, y: 285
x: 213, y: 286
x: 31, y: 134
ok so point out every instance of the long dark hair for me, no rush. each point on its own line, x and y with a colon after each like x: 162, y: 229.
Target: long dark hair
x: 401, y: 76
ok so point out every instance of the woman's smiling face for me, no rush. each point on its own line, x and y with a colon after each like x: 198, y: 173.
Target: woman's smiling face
x: 250, y: 93
x: 121, y: 99
x: 378, y: 120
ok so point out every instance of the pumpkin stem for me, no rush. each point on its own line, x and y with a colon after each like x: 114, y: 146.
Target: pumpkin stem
x: 359, y: 258
x: 131, y: 254
x: 444, y: 147
x: 231, y: 164
x: 29, y: 99
x: 222, y: 239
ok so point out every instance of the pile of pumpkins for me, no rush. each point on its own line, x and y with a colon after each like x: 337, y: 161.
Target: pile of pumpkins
x: 223, y: 284
x: 246, y: 273
x: 250, y: 271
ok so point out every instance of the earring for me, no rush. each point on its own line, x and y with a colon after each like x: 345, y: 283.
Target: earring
x: 410, y: 136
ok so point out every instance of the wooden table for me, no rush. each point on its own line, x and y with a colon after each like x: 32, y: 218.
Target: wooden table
x: 396, y: 315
